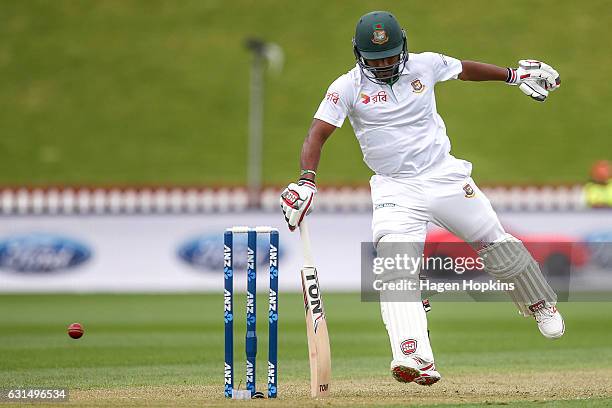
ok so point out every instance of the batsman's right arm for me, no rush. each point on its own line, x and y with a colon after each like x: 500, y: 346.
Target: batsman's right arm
x: 296, y: 200
x: 318, y: 134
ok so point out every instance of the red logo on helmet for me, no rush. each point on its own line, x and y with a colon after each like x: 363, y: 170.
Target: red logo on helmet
x: 408, y: 346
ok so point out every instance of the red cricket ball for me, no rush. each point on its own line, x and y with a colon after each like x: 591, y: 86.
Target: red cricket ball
x: 75, y: 330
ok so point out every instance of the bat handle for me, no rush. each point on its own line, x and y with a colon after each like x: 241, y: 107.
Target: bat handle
x: 305, y: 236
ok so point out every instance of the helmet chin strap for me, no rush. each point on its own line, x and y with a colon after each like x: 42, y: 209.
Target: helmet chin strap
x: 394, y: 71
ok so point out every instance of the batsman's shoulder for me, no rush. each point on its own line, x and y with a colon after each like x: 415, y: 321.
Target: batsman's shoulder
x: 354, y: 74
x: 427, y: 62
x: 424, y: 58
x: 350, y: 78
x: 346, y: 83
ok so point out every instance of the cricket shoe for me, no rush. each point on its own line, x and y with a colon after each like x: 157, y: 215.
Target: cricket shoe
x: 549, y: 320
x: 415, y: 369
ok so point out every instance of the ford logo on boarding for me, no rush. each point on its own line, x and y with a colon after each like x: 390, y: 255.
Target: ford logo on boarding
x: 206, y: 252
x: 41, y: 253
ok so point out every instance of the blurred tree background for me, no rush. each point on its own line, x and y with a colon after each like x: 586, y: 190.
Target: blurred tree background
x: 156, y: 92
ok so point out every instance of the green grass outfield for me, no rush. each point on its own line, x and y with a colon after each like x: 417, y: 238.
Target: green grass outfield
x: 145, y: 350
x: 152, y: 91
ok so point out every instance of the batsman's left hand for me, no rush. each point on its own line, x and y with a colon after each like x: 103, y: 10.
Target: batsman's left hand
x: 296, y: 201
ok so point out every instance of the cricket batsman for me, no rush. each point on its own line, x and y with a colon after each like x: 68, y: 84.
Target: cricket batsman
x: 390, y: 102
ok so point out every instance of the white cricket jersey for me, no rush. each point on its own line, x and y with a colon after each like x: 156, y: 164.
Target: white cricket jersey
x: 398, y: 127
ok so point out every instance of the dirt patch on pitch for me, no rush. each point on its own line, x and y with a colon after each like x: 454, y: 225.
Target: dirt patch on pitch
x: 456, y: 389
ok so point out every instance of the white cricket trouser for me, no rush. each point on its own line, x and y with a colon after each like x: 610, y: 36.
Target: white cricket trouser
x: 441, y: 196
x: 447, y: 196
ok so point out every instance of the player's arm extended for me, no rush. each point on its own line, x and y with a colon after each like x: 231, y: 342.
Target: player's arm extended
x: 297, y: 199
x: 480, y: 71
x: 311, y: 149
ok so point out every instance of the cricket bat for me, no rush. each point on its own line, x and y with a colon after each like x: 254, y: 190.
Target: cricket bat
x: 316, y: 325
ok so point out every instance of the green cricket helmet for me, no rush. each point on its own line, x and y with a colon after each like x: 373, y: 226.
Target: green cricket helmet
x: 378, y: 35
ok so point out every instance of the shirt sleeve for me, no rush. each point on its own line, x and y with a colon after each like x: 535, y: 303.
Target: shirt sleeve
x: 336, y: 103
x: 444, y: 67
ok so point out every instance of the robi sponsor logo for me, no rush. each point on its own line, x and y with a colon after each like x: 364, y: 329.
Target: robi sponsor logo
x: 408, y: 346
x: 332, y: 97
x: 379, y: 97
x: 41, y: 253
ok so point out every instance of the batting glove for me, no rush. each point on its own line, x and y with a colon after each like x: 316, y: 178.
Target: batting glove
x: 535, y: 78
x: 296, y: 201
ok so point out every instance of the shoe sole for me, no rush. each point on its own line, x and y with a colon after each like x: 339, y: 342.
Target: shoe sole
x: 405, y: 374
x: 426, y: 379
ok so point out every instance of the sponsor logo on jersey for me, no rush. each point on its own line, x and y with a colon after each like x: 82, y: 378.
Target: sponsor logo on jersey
x: 408, y: 346
x: 469, y: 191
x: 417, y: 86
x: 378, y: 97
x: 332, y: 97
x: 379, y: 36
